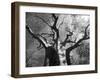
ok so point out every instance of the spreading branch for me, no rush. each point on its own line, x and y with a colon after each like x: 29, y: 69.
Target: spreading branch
x: 85, y: 37
x: 67, y: 39
x: 55, y: 22
x: 38, y: 37
x: 54, y: 16
x: 53, y: 27
x: 55, y: 31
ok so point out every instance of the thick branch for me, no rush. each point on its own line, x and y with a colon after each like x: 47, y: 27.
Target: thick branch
x: 54, y: 16
x: 67, y: 40
x: 36, y: 36
x: 85, y: 37
x: 53, y: 27
x: 55, y: 22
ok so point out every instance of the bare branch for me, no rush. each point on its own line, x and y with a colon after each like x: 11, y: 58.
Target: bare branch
x: 29, y: 30
x: 78, y: 43
x: 85, y: 34
x: 54, y: 16
x: 85, y: 37
x: 41, y: 39
x: 53, y: 28
x: 67, y: 40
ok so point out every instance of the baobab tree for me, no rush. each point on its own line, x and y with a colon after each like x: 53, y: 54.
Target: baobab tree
x: 50, y: 48
x: 51, y: 41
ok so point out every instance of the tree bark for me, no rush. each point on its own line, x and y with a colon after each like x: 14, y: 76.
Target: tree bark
x: 68, y: 56
x: 52, y: 56
x: 50, y: 53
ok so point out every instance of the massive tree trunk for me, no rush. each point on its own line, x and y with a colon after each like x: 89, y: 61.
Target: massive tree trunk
x: 68, y: 51
x: 52, y: 55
